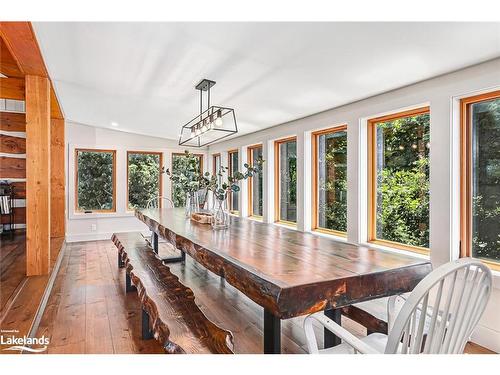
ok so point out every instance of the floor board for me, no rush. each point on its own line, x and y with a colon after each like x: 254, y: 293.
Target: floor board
x: 89, y: 311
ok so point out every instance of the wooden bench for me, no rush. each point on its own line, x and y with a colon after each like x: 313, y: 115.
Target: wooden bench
x: 169, y: 312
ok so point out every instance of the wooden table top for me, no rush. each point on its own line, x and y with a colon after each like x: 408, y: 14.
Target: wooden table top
x: 290, y: 273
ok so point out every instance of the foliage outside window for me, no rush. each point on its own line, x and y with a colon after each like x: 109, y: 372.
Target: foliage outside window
x: 189, y: 166
x: 330, y: 180
x: 481, y: 216
x: 233, y: 169
x: 286, y: 178
x: 95, y: 180
x: 144, y: 178
x: 255, y: 183
x: 399, y: 177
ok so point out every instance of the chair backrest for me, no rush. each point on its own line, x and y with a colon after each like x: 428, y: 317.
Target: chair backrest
x: 448, y: 304
x: 159, y: 201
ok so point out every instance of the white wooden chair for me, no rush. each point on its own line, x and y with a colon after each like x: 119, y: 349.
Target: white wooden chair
x: 437, y: 317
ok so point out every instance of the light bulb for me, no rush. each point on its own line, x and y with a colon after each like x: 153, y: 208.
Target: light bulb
x: 218, y: 121
x: 198, y: 131
x: 204, y: 127
x: 193, y: 131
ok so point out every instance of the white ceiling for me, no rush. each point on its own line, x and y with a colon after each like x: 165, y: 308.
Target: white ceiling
x: 142, y: 75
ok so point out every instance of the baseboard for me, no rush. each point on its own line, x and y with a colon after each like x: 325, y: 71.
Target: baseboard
x: 85, y: 237
x: 487, y: 337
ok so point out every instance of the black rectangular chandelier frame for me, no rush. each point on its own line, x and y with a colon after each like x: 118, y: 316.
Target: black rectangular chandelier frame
x: 207, y: 121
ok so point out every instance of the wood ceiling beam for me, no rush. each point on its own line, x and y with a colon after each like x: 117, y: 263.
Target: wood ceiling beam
x: 19, y: 39
x: 21, y: 42
x: 8, y: 65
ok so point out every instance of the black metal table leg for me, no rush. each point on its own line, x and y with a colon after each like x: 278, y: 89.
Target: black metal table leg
x: 147, y: 333
x: 272, y: 333
x: 329, y: 338
x: 155, y: 242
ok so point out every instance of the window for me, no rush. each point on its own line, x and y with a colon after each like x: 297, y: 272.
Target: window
x: 233, y: 168
x: 179, y: 162
x: 143, y: 178
x: 480, y: 178
x: 398, y: 178
x: 217, y: 166
x: 255, y: 192
x: 329, y: 151
x: 285, y: 158
x: 95, y: 180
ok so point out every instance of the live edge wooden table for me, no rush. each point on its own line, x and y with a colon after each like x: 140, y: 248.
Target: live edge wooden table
x: 287, y: 272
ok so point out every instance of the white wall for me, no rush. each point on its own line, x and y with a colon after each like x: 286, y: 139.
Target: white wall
x: 442, y: 94
x: 86, y: 227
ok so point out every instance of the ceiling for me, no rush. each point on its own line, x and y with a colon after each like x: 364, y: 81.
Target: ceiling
x: 141, y: 76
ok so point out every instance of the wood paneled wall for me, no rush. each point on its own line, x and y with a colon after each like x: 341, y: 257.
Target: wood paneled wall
x: 44, y: 167
x: 38, y: 174
x: 57, y: 179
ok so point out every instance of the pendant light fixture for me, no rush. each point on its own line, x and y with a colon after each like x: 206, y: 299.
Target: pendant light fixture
x: 211, y: 125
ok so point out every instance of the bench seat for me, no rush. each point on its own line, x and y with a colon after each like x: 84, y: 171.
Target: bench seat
x: 170, y: 313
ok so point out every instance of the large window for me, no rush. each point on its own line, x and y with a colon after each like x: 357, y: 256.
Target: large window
x: 399, y: 180
x: 255, y: 188
x: 180, y: 163
x: 480, y: 178
x: 143, y: 178
x: 285, y: 160
x: 95, y: 180
x: 233, y: 168
x: 329, y: 149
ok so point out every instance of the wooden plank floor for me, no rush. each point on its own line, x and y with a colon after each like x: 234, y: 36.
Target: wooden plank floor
x: 12, y: 266
x: 89, y: 311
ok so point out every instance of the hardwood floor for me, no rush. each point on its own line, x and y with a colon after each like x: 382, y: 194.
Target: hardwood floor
x: 12, y: 266
x: 89, y: 311
x: 21, y: 295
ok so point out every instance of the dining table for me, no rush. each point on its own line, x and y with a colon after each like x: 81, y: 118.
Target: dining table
x: 288, y: 272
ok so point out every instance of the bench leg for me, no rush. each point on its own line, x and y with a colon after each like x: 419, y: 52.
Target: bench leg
x: 129, y: 287
x: 329, y: 338
x: 147, y: 334
x: 120, y: 261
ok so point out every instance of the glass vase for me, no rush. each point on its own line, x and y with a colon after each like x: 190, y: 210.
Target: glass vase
x: 192, y: 204
x: 220, y: 212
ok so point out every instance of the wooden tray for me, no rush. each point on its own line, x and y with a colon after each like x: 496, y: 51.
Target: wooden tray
x: 202, y: 217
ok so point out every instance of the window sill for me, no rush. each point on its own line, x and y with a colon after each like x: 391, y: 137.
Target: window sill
x: 256, y: 218
x: 100, y: 215
x: 329, y: 235
x: 396, y: 250
x: 285, y: 225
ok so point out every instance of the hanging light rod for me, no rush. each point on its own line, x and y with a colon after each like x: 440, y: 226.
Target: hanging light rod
x: 211, y: 125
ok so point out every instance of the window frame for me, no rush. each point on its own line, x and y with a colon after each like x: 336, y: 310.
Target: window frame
x: 230, y: 173
x: 315, y: 173
x: 250, y: 151
x: 214, y: 163
x: 277, y: 189
x: 466, y: 175
x: 160, y: 187
x: 372, y: 185
x: 113, y: 152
